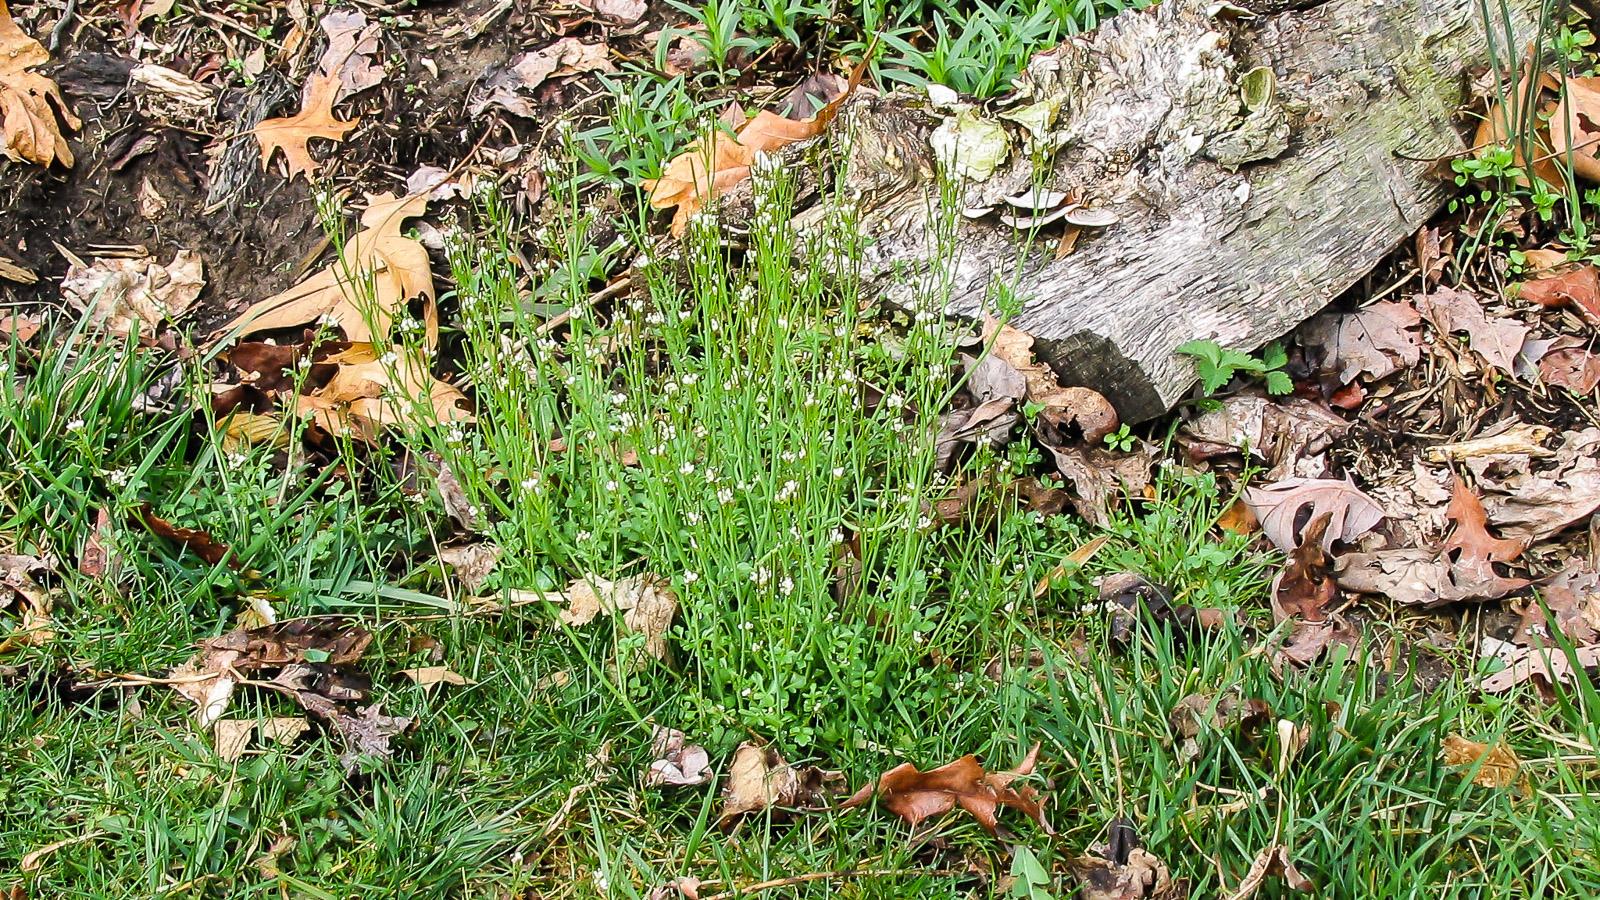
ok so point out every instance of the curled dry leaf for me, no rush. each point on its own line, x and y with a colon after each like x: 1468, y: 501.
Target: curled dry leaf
x: 30, y: 104
x: 1100, y: 477
x: 1280, y: 507
x: 364, y: 397
x: 759, y: 779
x: 19, y: 583
x: 1491, y: 767
x: 914, y: 795
x: 1121, y: 869
x: 1497, y: 340
x: 1065, y: 410
x: 320, y: 645
x: 623, y: 12
x: 1538, y: 505
x: 1196, y: 715
x: 122, y: 295
x: 315, y: 119
x: 677, y: 762
x: 1270, y: 862
x: 196, y: 540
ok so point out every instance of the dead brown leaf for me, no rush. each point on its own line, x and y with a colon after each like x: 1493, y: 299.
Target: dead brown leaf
x: 1375, y: 341
x: 195, y: 540
x: 1551, y: 665
x: 646, y: 603
x: 1121, y: 869
x: 1578, y: 288
x: 1497, y: 340
x: 510, y: 88
x: 352, y: 43
x: 1100, y: 477
x: 314, y: 120
x: 1570, y: 363
x: 1067, y: 412
x: 914, y: 795
x: 428, y: 676
x: 1575, y: 127
x: 1271, y: 861
x: 122, y: 295
x: 1281, y: 507
x: 1281, y: 433
x: 472, y: 563
x: 1535, y: 505
x: 701, y: 173
x: 379, y: 270
x: 30, y: 103
x: 759, y: 779
x: 19, y: 581
x: 1496, y: 767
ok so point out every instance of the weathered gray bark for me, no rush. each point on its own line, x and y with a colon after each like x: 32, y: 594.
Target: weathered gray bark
x: 1235, y: 224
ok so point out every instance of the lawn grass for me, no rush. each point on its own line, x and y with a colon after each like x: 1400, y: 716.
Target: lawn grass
x: 728, y: 430
x: 720, y: 427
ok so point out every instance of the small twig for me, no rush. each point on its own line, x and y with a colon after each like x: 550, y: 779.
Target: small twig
x: 826, y: 876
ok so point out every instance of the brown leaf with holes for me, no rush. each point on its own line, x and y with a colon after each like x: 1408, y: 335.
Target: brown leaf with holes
x: 1578, y: 288
x: 1281, y: 505
x: 32, y: 109
x: 314, y: 120
x: 914, y: 795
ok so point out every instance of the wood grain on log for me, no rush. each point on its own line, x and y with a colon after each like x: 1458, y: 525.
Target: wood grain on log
x: 1236, y: 222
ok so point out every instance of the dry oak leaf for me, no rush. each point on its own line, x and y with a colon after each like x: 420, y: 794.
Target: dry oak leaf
x: 122, y: 295
x: 29, y: 102
x: 1496, y: 766
x: 377, y: 273
x: 314, y: 120
x: 352, y: 41
x: 1278, y: 506
x: 1575, y: 127
x: 914, y: 795
x: 19, y: 580
x: 1281, y: 433
x: 701, y: 173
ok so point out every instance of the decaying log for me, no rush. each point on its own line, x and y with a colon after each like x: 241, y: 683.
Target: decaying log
x: 1245, y: 202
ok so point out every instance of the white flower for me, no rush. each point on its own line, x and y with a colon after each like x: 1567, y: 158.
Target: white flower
x: 686, y: 469
x: 690, y: 577
x: 786, y: 586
